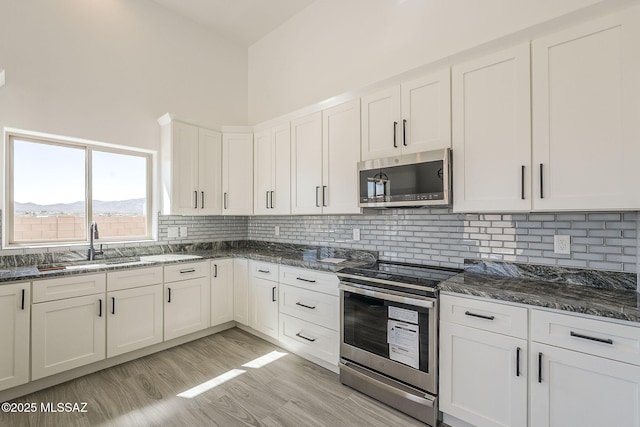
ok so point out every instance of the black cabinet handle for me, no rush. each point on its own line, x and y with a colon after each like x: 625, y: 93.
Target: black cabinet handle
x: 266, y: 202
x: 317, y: 203
x: 195, y: 193
x: 306, y: 306
x: 395, y: 125
x: 540, y: 367
x: 169, y: 291
x: 263, y: 271
x: 22, y: 304
x: 324, y: 195
x: 272, y: 193
x: 190, y: 270
x: 100, y: 307
x: 517, y: 361
x: 305, y: 280
x: 587, y: 337
x: 481, y: 316
x: 305, y: 338
x: 541, y: 181
x: 404, y: 133
x: 224, y: 200
x: 113, y: 305
x: 273, y: 294
x: 522, y: 183
x: 215, y: 270
x: 202, y: 193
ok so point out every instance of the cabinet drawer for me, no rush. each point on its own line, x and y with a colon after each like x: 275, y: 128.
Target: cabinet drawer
x: 68, y: 287
x: 489, y: 316
x: 314, y: 307
x: 189, y: 270
x: 597, y: 337
x: 310, y: 279
x: 265, y: 270
x: 309, y: 338
x: 134, y: 278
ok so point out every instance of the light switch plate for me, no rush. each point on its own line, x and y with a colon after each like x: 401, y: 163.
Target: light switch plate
x: 276, y: 231
x: 2, y: 78
x: 172, y: 232
x: 356, y: 234
x: 183, y: 231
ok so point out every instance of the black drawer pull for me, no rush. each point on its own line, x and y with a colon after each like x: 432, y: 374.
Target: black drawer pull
x: 305, y: 280
x: 587, y: 337
x: 113, y: 305
x: 481, y: 316
x: 263, y: 271
x: 305, y: 338
x: 540, y: 367
x: 169, y: 292
x: 517, y: 361
x: 273, y: 294
x: 306, y: 306
x: 22, y: 305
x: 100, y: 308
x: 215, y: 274
x: 191, y: 270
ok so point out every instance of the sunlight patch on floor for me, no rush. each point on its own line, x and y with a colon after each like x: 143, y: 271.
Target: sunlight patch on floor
x: 264, y: 360
x: 212, y: 383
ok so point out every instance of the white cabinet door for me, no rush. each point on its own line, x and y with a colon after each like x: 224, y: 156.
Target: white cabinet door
x: 492, y: 132
x: 573, y: 389
x: 480, y: 380
x: 66, y: 334
x: 186, y: 307
x: 426, y: 113
x: 263, y: 303
x: 237, y: 177
x: 221, y: 291
x: 209, y: 172
x: 15, y: 313
x: 586, y: 86
x: 341, y: 154
x: 262, y: 171
x: 134, y: 319
x: 381, y: 124
x: 306, y: 164
x: 280, y: 199
x: 272, y: 171
x: 184, y: 168
x: 241, y: 290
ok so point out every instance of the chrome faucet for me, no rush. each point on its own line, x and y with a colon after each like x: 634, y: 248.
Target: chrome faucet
x: 93, y: 234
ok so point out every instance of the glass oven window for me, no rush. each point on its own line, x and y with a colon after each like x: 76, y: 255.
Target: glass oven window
x: 365, y: 326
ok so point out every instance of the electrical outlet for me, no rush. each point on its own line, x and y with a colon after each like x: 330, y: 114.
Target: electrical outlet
x: 276, y: 231
x: 356, y: 234
x: 172, y: 232
x: 562, y: 244
x: 183, y: 231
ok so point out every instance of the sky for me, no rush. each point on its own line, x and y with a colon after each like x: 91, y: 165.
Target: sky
x: 47, y: 174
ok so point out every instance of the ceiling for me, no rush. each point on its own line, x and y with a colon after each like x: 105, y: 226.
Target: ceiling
x: 245, y: 21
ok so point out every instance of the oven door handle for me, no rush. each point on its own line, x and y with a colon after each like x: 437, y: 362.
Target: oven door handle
x: 388, y: 297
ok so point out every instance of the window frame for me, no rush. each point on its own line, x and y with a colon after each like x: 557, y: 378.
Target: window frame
x: 8, y: 211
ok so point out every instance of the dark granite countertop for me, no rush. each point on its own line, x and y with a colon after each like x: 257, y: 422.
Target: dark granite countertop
x: 609, y: 302
x: 291, y: 255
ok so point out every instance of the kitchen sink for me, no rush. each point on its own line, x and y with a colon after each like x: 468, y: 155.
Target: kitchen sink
x: 94, y: 265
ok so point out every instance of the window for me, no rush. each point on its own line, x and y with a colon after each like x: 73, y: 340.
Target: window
x: 56, y: 188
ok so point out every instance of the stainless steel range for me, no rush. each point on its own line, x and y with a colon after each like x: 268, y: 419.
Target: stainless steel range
x: 389, y: 328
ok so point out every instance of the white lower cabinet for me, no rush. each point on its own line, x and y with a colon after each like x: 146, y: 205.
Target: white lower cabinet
x: 263, y: 298
x: 15, y: 314
x: 66, y: 334
x: 187, y: 302
x: 222, y: 291
x: 483, y: 373
x: 306, y: 337
x: 134, y: 319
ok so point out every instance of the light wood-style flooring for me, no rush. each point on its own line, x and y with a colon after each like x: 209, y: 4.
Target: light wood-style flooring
x: 289, y: 391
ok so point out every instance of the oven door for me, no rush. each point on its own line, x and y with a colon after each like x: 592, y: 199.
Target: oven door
x: 395, y: 335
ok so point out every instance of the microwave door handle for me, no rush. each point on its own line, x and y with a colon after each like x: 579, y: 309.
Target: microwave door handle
x: 386, y: 297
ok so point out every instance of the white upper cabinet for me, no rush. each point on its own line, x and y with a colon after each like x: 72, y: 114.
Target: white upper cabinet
x: 410, y: 118
x: 586, y: 132
x: 340, y: 157
x: 237, y: 176
x: 492, y: 132
x: 191, y: 169
x: 306, y: 164
x: 272, y: 171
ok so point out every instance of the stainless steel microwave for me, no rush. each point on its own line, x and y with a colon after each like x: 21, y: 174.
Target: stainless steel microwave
x: 409, y: 180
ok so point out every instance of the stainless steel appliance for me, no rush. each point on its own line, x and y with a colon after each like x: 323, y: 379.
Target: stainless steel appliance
x: 419, y: 179
x: 389, y: 330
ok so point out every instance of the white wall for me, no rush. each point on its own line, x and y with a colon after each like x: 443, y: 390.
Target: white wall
x: 105, y: 70
x: 336, y: 46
